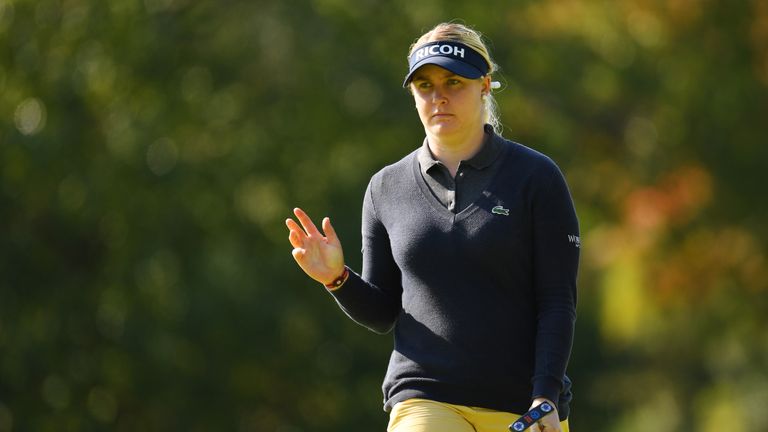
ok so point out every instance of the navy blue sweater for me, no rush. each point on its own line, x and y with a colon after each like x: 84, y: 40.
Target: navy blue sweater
x: 482, y: 302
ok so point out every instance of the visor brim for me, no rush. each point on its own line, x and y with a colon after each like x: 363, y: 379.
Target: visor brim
x: 456, y: 66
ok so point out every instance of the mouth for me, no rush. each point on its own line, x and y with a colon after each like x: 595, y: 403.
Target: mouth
x: 440, y: 115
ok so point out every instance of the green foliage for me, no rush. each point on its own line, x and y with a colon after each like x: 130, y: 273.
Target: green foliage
x: 150, y: 151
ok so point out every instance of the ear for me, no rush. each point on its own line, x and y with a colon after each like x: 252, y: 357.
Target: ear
x: 486, y: 84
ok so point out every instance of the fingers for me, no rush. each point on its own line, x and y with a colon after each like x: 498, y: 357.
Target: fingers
x: 299, y: 233
x: 555, y: 427
x: 296, y: 239
x: 330, y: 233
x: 296, y: 235
x: 547, y: 424
x: 306, y: 222
x: 292, y: 225
x: 298, y: 254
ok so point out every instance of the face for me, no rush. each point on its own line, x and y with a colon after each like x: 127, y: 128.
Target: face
x: 448, y: 104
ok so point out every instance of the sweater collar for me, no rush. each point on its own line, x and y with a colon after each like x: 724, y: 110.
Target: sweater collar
x: 489, y: 152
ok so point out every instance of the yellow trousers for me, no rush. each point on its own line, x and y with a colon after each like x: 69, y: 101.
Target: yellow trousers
x: 421, y: 415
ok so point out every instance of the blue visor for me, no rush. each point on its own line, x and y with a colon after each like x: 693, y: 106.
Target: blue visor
x: 453, y: 56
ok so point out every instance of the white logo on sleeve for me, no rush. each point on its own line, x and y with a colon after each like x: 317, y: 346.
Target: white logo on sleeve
x: 574, y: 239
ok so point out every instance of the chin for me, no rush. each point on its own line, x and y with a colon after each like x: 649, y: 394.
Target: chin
x: 443, y: 129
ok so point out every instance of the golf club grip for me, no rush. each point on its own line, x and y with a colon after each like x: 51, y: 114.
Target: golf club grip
x: 535, y: 414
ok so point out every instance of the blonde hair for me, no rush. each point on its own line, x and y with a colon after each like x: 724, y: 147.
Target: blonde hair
x: 456, y: 32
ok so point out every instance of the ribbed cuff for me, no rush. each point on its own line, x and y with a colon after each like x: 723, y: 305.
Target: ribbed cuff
x: 547, y: 387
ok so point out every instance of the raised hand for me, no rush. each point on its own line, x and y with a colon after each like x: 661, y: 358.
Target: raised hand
x: 320, y: 256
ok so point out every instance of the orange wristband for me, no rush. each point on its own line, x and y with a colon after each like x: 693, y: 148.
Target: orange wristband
x: 339, y: 281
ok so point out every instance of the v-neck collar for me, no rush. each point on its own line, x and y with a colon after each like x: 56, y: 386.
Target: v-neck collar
x: 490, y: 150
x: 472, y: 207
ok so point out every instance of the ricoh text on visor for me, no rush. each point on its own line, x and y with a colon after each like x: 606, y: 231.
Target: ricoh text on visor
x: 453, y: 56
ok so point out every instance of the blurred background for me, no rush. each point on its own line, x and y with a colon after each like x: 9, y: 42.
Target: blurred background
x: 150, y: 151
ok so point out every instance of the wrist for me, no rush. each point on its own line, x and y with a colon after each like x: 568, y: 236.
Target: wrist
x: 339, y: 281
x: 542, y: 400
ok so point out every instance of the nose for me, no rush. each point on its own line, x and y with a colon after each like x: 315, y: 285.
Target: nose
x: 438, y: 96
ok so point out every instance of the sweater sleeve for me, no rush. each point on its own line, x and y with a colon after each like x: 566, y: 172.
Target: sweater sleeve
x: 373, y: 299
x: 556, y: 246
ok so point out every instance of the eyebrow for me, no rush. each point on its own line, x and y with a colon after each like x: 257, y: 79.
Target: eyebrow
x: 421, y: 77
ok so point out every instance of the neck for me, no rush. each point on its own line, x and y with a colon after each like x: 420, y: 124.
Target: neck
x: 451, y: 150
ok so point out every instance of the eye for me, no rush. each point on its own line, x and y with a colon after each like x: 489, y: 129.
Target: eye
x: 453, y: 81
x: 423, y: 85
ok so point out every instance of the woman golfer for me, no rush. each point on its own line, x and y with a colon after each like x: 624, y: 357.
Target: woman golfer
x: 470, y: 254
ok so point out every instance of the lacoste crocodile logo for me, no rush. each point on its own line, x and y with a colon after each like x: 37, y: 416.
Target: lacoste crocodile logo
x: 499, y: 210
